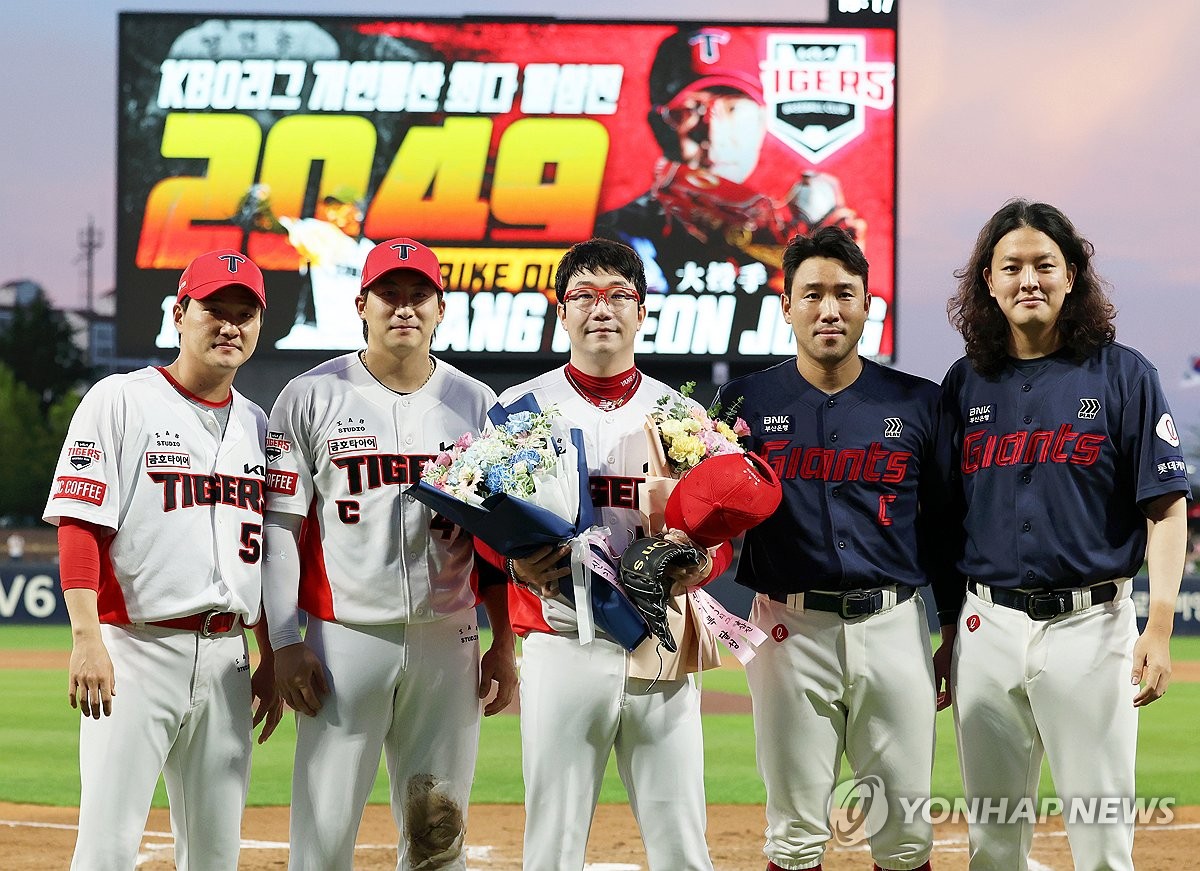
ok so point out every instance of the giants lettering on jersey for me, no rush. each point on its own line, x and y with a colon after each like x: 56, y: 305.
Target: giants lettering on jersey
x: 181, y: 490
x: 1062, y: 445
x: 827, y: 464
x: 380, y: 470
x: 612, y: 491
x: 81, y: 489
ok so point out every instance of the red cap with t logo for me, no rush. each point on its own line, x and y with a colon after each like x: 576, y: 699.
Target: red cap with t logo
x: 401, y: 253
x: 210, y: 272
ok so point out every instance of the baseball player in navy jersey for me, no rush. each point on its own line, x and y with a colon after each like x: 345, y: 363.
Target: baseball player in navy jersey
x: 1072, y: 475
x: 578, y: 703
x: 837, y: 567
x: 158, y: 498
x: 390, y: 659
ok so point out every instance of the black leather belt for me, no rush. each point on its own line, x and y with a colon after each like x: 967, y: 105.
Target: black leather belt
x: 1045, y: 604
x: 847, y: 605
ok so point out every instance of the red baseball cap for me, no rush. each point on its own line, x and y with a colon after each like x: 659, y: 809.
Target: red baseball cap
x: 210, y: 272
x: 401, y: 253
x: 706, y: 57
x: 723, y: 497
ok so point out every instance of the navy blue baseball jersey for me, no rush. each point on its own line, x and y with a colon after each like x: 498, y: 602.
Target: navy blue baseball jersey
x: 1057, y: 459
x: 864, y: 496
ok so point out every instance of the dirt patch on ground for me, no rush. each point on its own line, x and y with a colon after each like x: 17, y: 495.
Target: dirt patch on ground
x: 41, y: 838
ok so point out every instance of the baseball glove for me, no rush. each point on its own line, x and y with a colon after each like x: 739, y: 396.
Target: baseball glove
x: 643, y: 569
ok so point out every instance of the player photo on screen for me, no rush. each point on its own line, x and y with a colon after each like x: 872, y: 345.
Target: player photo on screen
x: 303, y: 142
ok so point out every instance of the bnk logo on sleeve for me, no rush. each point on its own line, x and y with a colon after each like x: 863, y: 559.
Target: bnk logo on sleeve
x: 777, y: 423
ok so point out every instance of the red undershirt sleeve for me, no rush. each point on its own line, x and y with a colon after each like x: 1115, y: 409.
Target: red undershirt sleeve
x: 79, y: 554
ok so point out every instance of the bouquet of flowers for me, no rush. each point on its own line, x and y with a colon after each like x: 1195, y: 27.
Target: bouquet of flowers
x: 687, y: 434
x: 702, y: 482
x: 734, y: 491
x: 518, y: 458
x: 519, y: 488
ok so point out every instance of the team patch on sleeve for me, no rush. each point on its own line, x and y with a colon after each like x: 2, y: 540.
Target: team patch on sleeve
x: 277, y: 445
x: 82, y: 454
x: 1166, y: 431
x: 1170, y: 467
x: 282, y: 482
x: 80, y: 489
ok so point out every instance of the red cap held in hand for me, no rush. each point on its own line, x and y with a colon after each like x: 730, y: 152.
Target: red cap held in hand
x: 723, y: 497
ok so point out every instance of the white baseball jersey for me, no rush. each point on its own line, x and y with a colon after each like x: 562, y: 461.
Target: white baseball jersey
x: 186, y: 502
x: 334, y: 262
x: 578, y: 702
x: 617, y: 454
x: 341, y: 447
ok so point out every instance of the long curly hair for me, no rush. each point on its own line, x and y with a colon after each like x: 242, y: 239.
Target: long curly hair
x: 1086, y: 319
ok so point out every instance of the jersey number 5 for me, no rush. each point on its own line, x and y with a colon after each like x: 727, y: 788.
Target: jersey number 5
x: 251, y: 539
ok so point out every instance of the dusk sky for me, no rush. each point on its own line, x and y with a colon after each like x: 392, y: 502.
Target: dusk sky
x: 1087, y: 104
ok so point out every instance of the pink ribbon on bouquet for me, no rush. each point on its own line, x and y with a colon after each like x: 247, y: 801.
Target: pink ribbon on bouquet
x: 738, y: 635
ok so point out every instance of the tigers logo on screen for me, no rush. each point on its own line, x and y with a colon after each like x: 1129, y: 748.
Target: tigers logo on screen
x: 817, y: 90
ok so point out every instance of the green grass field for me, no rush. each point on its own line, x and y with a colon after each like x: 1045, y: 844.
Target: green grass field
x: 39, y: 743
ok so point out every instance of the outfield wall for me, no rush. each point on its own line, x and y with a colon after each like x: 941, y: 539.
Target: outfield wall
x: 30, y: 593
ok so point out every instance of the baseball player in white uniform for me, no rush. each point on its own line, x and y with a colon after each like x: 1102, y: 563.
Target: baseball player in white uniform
x: 334, y: 252
x: 390, y: 659
x: 158, y: 497
x: 577, y: 702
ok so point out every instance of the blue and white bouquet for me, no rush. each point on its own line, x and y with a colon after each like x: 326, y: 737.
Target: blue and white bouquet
x: 518, y: 488
x: 518, y: 458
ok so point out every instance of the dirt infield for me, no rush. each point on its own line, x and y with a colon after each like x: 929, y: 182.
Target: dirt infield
x: 34, y: 838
